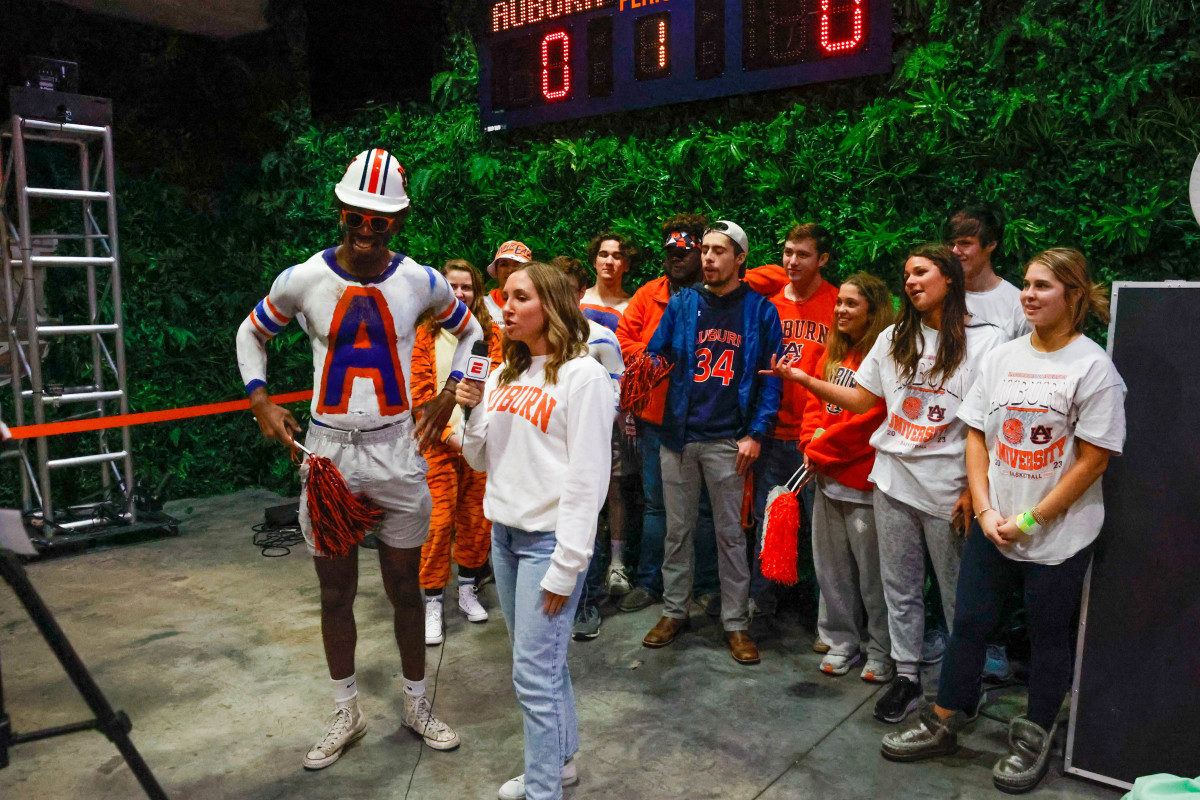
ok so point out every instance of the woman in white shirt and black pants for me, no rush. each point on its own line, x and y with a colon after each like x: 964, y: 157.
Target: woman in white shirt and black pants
x: 1045, y: 415
x: 541, y: 429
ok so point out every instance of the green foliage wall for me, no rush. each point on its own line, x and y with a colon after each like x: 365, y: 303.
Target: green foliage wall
x: 1080, y: 119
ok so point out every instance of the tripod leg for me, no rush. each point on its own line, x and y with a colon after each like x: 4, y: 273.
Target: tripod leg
x: 115, y: 725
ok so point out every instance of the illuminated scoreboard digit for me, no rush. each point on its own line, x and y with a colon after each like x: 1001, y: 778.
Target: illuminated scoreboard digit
x: 550, y: 60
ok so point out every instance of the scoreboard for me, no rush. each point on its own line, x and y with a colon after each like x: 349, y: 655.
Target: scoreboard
x: 550, y: 60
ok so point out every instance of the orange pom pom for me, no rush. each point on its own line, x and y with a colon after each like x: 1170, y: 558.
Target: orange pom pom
x: 781, y: 538
x: 340, y: 519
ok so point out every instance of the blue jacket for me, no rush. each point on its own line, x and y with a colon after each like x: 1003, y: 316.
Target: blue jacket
x: 758, y: 395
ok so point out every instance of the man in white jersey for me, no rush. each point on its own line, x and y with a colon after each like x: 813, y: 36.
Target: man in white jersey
x: 974, y: 234
x: 360, y: 301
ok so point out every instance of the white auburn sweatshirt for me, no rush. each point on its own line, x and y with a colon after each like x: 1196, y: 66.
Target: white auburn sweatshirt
x: 547, y: 450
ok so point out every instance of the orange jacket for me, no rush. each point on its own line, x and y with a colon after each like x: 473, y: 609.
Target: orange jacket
x: 843, y: 449
x: 637, y: 327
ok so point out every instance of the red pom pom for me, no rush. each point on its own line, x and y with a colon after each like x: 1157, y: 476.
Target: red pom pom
x: 340, y: 519
x: 641, y: 376
x: 780, y: 539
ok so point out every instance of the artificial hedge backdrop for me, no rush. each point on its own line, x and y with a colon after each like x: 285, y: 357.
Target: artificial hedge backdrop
x: 1080, y: 119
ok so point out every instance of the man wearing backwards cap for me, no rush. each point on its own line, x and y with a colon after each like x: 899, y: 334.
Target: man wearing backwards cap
x: 681, y: 268
x: 718, y: 411
x: 509, y: 256
x: 361, y: 302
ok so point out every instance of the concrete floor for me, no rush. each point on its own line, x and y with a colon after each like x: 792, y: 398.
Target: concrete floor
x: 214, y: 652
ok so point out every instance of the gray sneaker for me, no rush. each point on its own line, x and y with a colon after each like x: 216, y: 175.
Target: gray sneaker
x: 639, y: 598
x: 587, y: 623
x: 710, y: 603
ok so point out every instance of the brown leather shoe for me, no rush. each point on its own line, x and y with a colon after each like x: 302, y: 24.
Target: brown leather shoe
x: 742, y: 648
x: 665, y: 631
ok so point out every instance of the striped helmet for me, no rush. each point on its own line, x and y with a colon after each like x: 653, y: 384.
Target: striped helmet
x: 374, y: 181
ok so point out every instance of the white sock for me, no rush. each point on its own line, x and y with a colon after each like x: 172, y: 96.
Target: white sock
x: 465, y: 582
x: 910, y: 671
x: 414, y: 688
x: 437, y: 598
x: 618, y: 553
x: 345, y: 690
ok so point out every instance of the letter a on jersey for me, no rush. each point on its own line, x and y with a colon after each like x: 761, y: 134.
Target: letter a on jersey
x: 362, y: 344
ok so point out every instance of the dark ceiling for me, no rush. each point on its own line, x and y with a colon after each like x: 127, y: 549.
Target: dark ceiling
x: 219, y: 18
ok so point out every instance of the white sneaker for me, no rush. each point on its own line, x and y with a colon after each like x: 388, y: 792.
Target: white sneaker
x: 617, y: 581
x: 878, y: 671
x: 833, y: 664
x: 433, y: 620
x: 344, y: 726
x: 468, y: 601
x: 418, y: 715
x: 515, y: 789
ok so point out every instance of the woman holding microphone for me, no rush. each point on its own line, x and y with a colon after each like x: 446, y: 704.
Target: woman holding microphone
x: 541, y: 428
x: 1045, y: 415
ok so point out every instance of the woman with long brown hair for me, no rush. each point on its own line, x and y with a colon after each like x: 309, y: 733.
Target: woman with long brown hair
x: 1044, y: 417
x: 922, y: 368
x: 836, y: 443
x: 457, y: 489
x: 541, y: 427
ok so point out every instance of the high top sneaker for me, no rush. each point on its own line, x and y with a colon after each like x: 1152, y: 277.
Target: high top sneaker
x: 433, y: 620
x: 418, y: 716
x: 468, y: 601
x: 345, y: 726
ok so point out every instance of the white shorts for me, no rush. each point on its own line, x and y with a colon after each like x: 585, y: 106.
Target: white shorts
x: 384, y: 465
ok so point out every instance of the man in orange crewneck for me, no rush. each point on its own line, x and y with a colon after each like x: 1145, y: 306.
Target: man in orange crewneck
x: 805, y: 306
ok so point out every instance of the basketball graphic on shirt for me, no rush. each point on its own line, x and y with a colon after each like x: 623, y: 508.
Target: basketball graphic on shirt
x: 1014, y: 431
x: 912, y: 407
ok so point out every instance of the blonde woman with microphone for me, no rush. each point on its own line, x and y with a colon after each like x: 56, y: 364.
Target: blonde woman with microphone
x: 541, y: 428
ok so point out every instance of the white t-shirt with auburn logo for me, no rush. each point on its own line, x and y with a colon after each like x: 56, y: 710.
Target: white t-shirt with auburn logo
x: 1031, y: 407
x: 921, y: 448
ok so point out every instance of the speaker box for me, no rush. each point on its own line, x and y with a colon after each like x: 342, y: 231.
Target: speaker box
x: 367, y: 51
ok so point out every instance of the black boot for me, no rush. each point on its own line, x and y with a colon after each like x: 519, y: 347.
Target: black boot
x: 1028, y: 757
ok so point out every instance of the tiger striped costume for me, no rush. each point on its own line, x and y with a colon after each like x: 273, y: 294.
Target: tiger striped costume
x: 456, y: 488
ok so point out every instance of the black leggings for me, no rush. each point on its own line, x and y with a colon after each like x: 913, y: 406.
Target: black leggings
x: 1052, y: 595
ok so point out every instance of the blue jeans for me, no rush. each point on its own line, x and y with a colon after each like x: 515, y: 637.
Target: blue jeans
x: 654, y: 525
x: 776, y: 464
x: 520, y: 560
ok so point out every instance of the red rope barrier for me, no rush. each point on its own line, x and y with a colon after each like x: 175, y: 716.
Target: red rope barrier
x: 128, y: 420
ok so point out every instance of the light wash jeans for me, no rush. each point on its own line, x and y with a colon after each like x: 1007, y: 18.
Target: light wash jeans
x: 539, y: 643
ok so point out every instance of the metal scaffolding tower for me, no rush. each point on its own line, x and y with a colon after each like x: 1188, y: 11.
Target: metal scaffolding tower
x: 29, y: 257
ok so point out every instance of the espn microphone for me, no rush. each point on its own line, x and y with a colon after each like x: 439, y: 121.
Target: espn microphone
x: 478, y: 367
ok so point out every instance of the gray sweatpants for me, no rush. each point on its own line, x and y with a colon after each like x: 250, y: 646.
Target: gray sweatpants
x: 905, y: 534
x: 715, y: 464
x: 846, y: 558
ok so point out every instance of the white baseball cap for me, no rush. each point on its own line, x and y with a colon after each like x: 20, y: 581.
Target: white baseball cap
x: 374, y: 181
x: 732, y: 230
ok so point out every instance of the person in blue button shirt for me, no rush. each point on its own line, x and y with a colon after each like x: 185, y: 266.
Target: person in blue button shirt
x: 718, y: 410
